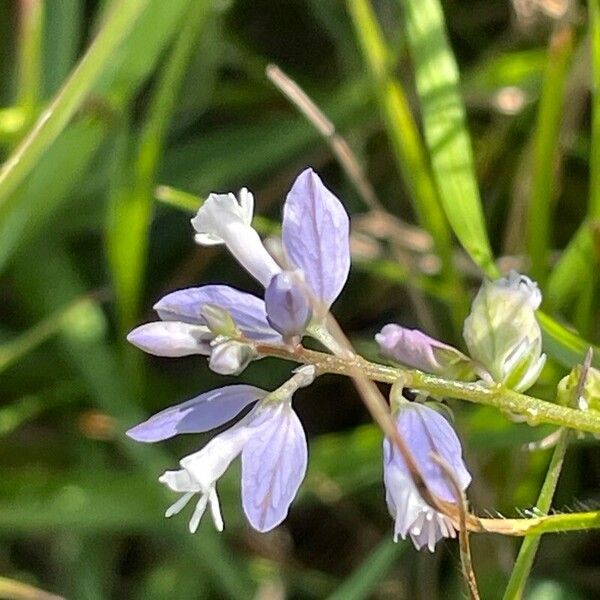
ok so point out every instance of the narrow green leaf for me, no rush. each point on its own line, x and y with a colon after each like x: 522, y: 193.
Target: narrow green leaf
x: 64, y: 22
x: 564, y: 345
x: 444, y: 123
x: 31, y: 17
x: 574, y: 268
x: 365, y: 578
x: 131, y: 208
x: 402, y: 128
x: 408, y: 146
x: 545, y: 152
x: 27, y: 212
x: 55, y: 117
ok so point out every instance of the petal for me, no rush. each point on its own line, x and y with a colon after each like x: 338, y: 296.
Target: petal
x: 202, y: 413
x: 215, y: 214
x: 178, y: 481
x: 415, y: 349
x: 247, y: 310
x: 273, y: 466
x: 426, y: 431
x: 207, y: 465
x: 223, y: 219
x: 172, y: 338
x: 315, y: 235
x: 410, y: 347
x: 288, y: 308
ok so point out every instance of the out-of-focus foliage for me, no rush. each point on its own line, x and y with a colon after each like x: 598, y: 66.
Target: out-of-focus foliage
x: 149, y: 93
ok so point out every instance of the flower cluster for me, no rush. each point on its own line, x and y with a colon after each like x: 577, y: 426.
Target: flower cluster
x: 502, y: 335
x: 301, y: 284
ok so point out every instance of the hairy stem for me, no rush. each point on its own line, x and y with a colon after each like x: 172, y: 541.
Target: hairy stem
x: 534, y: 410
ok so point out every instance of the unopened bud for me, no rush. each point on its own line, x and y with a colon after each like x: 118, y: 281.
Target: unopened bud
x: 415, y: 349
x: 502, y: 332
x: 231, y: 357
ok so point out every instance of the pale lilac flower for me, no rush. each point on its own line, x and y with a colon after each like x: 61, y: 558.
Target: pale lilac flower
x: 184, y: 329
x: 223, y: 219
x: 502, y: 332
x: 288, y: 308
x: 415, y: 349
x: 425, y: 431
x: 316, y: 237
x: 270, y: 439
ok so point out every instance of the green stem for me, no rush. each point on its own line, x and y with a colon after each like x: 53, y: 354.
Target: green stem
x: 534, y: 410
x: 524, y: 562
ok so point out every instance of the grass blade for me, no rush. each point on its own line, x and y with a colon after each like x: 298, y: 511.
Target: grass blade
x: 26, y: 213
x: 545, y: 152
x: 365, y: 578
x: 445, y: 127
x: 406, y: 143
x: 57, y: 115
x: 131, y: 210
x: 30, y: 56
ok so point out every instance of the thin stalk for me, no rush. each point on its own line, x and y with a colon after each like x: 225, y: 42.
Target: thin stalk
x: 528, y: 550
x: 536, y: 411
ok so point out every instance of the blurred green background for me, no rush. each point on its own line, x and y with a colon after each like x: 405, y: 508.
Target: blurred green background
x: 174, y: 94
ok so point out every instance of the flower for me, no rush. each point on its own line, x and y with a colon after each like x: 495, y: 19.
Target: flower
x: 502, y: 332
x: 270, y: 439
x: 223, y: 219
x: 415, y: 349
x: 288, y: 308
x: 315, y: 236
x: 425, y: 431
x: 184, y: 326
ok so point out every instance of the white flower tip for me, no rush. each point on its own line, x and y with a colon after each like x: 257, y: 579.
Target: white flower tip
x: 215, y: 510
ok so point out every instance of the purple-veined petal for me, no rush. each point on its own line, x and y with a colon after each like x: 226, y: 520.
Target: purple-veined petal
x: 412, y: 515
x: 202, y: 413
x: 288, y: 308
x: 315, y: 235
x: 273, y: 466
x: 247, y: 310
x: 415, y: 349
x: 426, y: 431
x: 410, y: 347
x: 171, y: 338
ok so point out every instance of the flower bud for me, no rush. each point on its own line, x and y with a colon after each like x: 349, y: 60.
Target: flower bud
x: 502, y: 332
x: 413, y: 348
x: 219, y: 321
x: 288, y: 308
x: 231, y: 358
x: 590, y: 390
